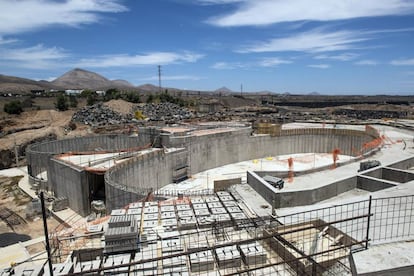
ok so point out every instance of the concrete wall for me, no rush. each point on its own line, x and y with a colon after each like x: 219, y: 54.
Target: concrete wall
x: 372, y: 184
x: 390, y: 174
x: 404, y: 164
x: 133, y: 179
x: 70, y: 182
x: 141, y: 175
x: 38, y: 155
x: 397, y: 175
x: 307, y: 197
x: 217, y: 149
x: 223, y: 185
x: 211, y: 151
x: 267, y: 191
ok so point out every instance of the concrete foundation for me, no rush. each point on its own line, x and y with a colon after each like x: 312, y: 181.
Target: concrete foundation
x: 132, y: 180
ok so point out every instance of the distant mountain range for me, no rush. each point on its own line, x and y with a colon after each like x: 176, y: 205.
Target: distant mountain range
x: 83, y: 79
x: 74, y: 79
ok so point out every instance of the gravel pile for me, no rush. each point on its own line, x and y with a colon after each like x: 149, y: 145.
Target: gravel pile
x: 167, y: 112
x: 99, y: 114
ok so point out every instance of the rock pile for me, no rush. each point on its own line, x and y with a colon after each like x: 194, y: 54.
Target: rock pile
x: 167, y: 112
x: 99, y: 114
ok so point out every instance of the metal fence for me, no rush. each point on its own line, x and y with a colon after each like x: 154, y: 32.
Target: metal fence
x: 313, y: 242
x: 393, y: 219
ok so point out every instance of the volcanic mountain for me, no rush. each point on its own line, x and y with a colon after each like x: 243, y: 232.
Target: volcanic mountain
x: 83, y: 79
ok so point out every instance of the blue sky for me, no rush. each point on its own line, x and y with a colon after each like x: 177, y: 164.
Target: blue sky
x: 296, y: 46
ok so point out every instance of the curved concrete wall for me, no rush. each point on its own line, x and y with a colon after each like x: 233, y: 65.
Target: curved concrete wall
x: 211, y: 151
x: 38, y: 155
x: 134, y: 179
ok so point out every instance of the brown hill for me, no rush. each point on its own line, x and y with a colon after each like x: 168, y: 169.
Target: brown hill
x: 82, y: 79
x: 122, y: 83
x: 10, y: 84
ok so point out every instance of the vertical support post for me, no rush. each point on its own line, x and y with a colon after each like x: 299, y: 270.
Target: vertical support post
x: 159, y: 79
x: 16, y: 152
x: 368, y: 221
x: 49, y: 259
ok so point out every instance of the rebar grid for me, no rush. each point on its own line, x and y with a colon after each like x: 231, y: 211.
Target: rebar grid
x: 314, y: 242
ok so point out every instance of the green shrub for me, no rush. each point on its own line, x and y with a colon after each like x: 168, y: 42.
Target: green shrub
x: 13, y: 107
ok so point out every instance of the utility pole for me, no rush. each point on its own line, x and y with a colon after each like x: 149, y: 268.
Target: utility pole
x: 159, y: 79
x: 16, y: 152
x: 49, y: 259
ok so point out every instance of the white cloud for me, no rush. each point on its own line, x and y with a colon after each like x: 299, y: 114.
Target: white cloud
x: 227, y: 65
x: 25, y: 15
x: 124, y: 60
x: 38, y: 52
x: 367, y: 62
x: 320, y: 66
x: 407, y: 62
x: 35, y: 57
x: 264, y: 62
x: 173, y: 78
x: 341, y: 57
x: 40, y: 57
x: 265, y: 12
x: 312, y: 41
x: 7, y: 41
x: 273, y: 61
x: 218, y: 2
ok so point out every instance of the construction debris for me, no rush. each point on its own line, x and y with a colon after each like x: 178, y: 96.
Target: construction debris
x: 168, y: 112
x: 101, y: 114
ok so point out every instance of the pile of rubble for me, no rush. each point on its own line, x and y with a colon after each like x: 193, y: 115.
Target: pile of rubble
x: 167, y: 112
x: 99, y: 114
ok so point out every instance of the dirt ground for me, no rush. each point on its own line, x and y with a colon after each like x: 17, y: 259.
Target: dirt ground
x: 34, y: 124
x: 15, y: 226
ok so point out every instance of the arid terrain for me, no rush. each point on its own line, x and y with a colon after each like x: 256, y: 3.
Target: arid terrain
x: 16, y: 223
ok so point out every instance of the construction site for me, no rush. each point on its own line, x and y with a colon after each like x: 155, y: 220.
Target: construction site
x: 227, y: 199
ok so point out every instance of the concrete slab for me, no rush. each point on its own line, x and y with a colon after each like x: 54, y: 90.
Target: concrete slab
x: 201, y: 261
x: 217, y: 211
x: 211, y: 199
x: 183, y: 207
x: 167, y: 215
x: 221, y: 194
x: 185, y: 213
x: 134, y: 205
x: 171, y: 246
x: 167, y: 208
x: 215, y: 204
x: 386, y: 259
x: 232, y: 203
x: 169, y: 224
x: 134, y: 211
x: 220, y: 217
x: 204, y: 221
x: 150, y: 209
x: 202, y: 212
x: 118, y: 212
x: 199, y: 206
x: 195, y: 200
x: 224, y: 198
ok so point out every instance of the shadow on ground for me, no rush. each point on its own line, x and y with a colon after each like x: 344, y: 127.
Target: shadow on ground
x: 10, y: 238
